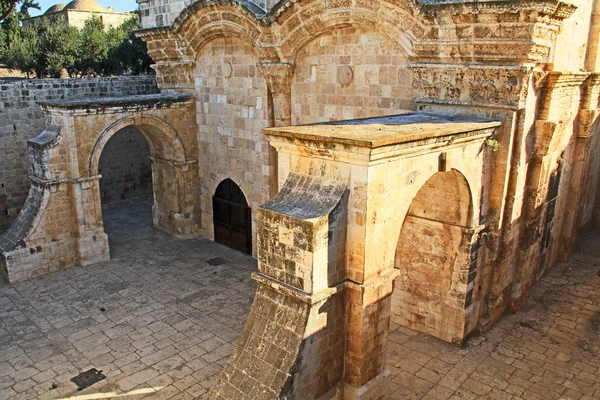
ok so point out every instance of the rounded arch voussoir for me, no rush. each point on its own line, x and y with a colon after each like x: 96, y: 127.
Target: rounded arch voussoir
x: 164, y: 141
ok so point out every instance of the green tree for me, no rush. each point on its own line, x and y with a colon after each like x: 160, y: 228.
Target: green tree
x: 8, y: 7
x: 48, y: 49
x: 20, y: 53
x: 92, y: 48
x: 128, y: 54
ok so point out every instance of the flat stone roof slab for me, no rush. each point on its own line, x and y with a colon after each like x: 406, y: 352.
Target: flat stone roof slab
x: 384, y: 131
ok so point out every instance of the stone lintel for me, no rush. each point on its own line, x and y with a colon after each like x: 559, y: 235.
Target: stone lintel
x: 373, y: 133
x: 558, y: 79
x: 109, y: 105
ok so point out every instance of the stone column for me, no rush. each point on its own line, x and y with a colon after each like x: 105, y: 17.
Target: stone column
x: 279, y: 82
x: 174, y: 209
x: 92, y: 242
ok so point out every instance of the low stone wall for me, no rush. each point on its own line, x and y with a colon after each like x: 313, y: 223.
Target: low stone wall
x: 22, y: 119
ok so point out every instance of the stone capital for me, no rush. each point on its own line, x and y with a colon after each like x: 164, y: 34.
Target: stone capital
x: 278, y: 76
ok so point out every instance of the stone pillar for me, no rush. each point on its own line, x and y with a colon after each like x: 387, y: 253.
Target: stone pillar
x: 92, y: 242
x: 293, y: 344
x: 174, y: 209
x: 592, y: 62
x: 585, y: 171
x: 279, y: 82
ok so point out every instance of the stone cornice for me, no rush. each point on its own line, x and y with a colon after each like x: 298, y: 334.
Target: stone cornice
x: 116, y: 104
x: 554, y: 8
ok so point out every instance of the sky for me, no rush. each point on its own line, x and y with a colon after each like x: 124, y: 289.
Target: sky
x: 118, y: 5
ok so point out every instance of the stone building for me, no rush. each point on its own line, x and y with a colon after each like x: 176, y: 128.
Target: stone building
x: 417, y: 161
x: 78, y: 11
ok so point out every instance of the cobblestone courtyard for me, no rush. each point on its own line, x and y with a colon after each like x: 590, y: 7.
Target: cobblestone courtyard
x: 160, y: 321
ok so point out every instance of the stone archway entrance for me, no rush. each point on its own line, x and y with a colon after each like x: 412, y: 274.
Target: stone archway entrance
x: 61, y: 223
x: 232, y: 217
x: 433, y: 259
x: 126, y: 169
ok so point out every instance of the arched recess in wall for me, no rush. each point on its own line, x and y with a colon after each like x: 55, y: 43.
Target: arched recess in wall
x: 434, y: 290
x: 349, y: 72
x: 232, y: 217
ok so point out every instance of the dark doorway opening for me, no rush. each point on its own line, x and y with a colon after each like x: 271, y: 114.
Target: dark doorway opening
x: 126, y: 169
x: 232, y: 217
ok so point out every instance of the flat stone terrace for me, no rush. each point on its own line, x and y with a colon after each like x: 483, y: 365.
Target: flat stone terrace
x: 160, y: 322
x: 158, y: 319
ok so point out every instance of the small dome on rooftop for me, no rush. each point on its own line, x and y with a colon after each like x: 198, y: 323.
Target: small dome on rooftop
x: 85, y: 5
x: 55, y: 8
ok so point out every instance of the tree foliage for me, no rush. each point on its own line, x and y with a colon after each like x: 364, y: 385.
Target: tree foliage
x: 47, y: 49
x: 10, y: 7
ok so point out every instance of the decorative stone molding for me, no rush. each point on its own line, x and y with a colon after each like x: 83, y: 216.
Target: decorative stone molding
x: 497, y: 87
x: 278, y: 76
x: 279, y: 80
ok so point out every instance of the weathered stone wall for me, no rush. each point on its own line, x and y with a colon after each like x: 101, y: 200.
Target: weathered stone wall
x: 62, y: 224
x: 572, y: 40
x: 347, y: 74
x: 232, y: 109
x: 22, y: 119
x: 126, y: 169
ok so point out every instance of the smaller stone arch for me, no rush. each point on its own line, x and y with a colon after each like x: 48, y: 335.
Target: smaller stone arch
x: 164, y: 141
x: 200, y: 24
x: 328, y: 20
x: 436, y: 259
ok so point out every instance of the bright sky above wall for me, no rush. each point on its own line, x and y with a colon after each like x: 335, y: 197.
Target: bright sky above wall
x: 118, y: 5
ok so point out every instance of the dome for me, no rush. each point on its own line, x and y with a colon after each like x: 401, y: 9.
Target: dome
x: 85, y: 5
x: 55, y: 8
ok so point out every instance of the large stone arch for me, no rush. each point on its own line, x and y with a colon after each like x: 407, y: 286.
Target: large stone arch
x: 233, y: 107
x: 335, y: 74
x: 433, y: 258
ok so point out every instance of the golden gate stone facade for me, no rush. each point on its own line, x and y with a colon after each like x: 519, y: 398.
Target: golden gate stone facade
x: 440, y: 218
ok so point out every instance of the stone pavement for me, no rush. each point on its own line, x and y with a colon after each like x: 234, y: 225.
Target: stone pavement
x: 157, y: 319
x: 548, y: 350
x: 160, y: 322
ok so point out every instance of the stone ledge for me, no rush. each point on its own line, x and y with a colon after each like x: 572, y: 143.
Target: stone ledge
x: 384, y: 131
x: 122, y: 103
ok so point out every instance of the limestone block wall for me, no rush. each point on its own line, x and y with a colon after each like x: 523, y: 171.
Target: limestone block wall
x: 231, y: 98
x: 22, y: 119
x: 350, y: 73
x: 160, y: 13
x: 78, y: 18
x: 126, y: 169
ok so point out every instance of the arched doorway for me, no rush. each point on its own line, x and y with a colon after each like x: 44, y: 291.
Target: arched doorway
x: 232, y: 217
x: 434, y: 291
x: 126, y: 188
x: 126, y: 169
